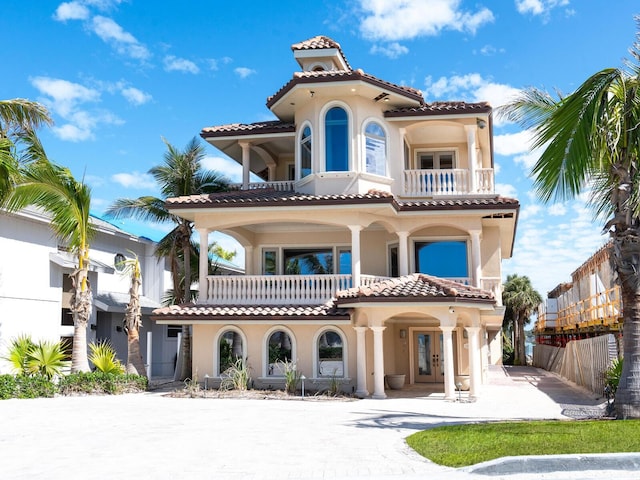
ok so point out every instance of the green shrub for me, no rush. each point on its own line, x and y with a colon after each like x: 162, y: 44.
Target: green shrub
x: 18, y: 350
x: 46, y: 359
x: 612, y: 376
x: 101, y: 383
x: 103, y: 357
x: 26, y: 386
x: 291, y: 375
x: 237, y: 376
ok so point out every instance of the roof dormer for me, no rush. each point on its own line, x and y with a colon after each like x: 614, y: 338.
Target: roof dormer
x: 320, y: 54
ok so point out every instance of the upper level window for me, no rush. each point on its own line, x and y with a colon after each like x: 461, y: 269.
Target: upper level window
x: 446, y: 259
x: 308, y: 261
x: 376, y: 149
x: 440, y: 160
x: 305, y: 152
x: 336, y: 140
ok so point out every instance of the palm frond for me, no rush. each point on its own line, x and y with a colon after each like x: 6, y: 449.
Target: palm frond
x: 20, y: 115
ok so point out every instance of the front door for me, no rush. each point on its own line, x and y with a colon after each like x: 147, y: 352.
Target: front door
x: 428, y: 357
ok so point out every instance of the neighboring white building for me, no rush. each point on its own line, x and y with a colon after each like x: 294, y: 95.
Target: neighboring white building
x: 35, y: 284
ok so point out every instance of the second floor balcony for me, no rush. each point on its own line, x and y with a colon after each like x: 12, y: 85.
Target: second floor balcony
x: 297, y: 289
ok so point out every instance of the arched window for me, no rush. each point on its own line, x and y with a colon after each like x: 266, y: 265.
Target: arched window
x: 230, y: 349
x: 330, y: 350
x: 376, y: 149
x: 336, y: 140
x: 305, y: 152
x: 279, y: 351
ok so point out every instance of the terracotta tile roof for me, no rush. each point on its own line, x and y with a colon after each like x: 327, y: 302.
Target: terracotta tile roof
x: 341, y: 76
x: 326, y: 311
x: 440, y: 108
x: 320, y: 42
x: 416, y: 287
x: 271, y: 197
x: 233, y: 129
x: 268, y: 197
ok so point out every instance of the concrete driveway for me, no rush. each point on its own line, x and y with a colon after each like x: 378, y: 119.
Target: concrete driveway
x: 150, y: 436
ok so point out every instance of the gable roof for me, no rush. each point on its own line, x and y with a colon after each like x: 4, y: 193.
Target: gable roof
x: 320, y: 42
x: 417, y: 288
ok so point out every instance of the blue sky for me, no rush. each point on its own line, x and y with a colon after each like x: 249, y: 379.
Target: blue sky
x: 119, y: 75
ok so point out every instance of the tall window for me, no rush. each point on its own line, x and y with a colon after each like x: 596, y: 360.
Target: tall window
x: 336, y: 140
x: 229, y: 349
x: 447, y: 259
x: 269, y: 266
x: 330, y: 355
x: 308, y: 261
x: 279, y: 351
x: 376, y: 149
x: 305, y: 152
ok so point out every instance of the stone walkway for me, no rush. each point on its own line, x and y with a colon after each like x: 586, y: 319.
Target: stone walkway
x: 150, y: 436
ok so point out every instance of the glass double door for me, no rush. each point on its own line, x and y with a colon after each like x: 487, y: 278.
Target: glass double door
x: 428, y: 357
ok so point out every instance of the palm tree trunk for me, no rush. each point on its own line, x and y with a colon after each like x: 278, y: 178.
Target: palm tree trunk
x: 516, y: 338
x: 81, y: 303
x: 627, y: 401
x: 186, y: 331
x: 522, y: 358
x: 135, y: 365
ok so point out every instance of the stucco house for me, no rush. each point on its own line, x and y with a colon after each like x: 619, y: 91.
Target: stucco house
x: 35, y: 286
x: 373, y: 244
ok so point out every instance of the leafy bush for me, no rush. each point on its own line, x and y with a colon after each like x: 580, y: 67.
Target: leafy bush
x: 291, y: 375
x: 612, y: 377
x: 103, y: 357
x: 101, y: 383
x: 43, y: 358
x: 237, y: 376
x: 25, y: 386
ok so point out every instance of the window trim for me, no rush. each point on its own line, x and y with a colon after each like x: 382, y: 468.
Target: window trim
x: 323, y: 136
x: 316, y: 351
x: 298, y: 160
x: 265, y: 349
x: 216, y: 345
x: 365, y: 124
x: 451, y: 238
x: 436, y: 152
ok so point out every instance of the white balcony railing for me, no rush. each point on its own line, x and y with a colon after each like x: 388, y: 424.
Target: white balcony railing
x: 493, y: 284
x: 451, y: 182
x: 274, y: 289
x: 279, y: 186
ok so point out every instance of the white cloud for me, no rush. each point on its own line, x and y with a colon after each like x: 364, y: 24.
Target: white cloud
x: 71, y: 11
x: 175, y: 64
x: 229, y: 168
x: 70, y: 101
x: 529, y: 211
x: 489, y: 50
x: 506, y: 190
x: 135, y: 180
x: 124, y: 42
x: 244, y: 72
x: 472, y: 87
x: 135, y: 96
x: 391, y: 20
x: 512, y: 143
x: 539, y: 7
x: 391, y: 50
x: 527, y: 160
x: 557, y: 210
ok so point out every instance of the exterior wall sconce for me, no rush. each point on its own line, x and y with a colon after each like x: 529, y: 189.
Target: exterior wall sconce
x: 481, y: 123
x: 312, y: 93
x: 452, y: 310
x: 403, y: 333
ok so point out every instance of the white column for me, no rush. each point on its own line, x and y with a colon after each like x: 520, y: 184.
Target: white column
x: 475, y: 365
x: 203, y: 284
x: 449, y: 378
x: 361, y: 362
x: 355, y: 254
x: 476, y: 257
x: 248, y: 260
x: 403, y: 253
x: 378, y: 363
x: 472, y: 155
x: 246, y: 152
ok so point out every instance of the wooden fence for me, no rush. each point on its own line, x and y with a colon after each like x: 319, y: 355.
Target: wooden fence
x: 582, y: 361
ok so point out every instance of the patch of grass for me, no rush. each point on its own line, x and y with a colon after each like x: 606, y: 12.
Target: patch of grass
x: 463, y: 445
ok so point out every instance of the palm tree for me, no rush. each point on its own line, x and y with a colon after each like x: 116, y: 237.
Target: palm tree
x: 590, y: 141
x: 180, y: 174
x: 53, y: 189
x: 17, y: 117
x: 133, y: 317
x: 519, y: 296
